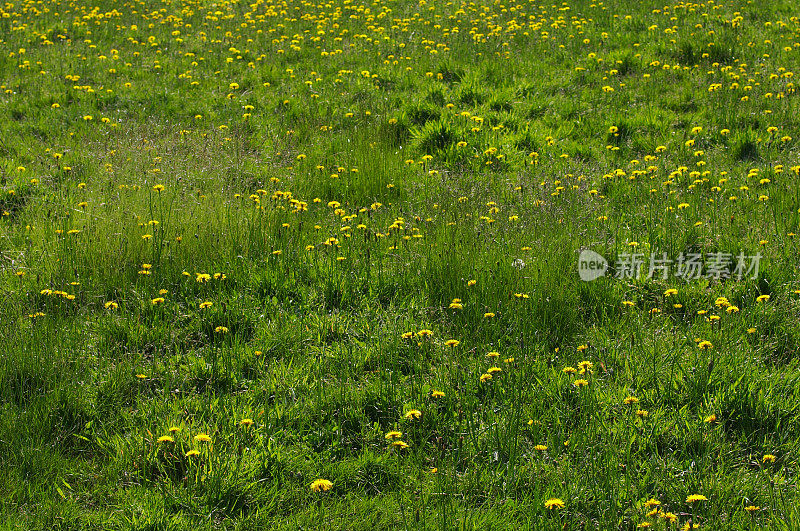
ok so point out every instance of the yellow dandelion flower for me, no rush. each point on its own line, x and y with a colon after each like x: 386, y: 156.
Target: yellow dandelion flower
x: 672, y: 517
x: 554, y: 503
x: 321, y: 485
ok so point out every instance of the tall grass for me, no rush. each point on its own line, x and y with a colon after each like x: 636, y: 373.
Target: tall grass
x: 246, y: 247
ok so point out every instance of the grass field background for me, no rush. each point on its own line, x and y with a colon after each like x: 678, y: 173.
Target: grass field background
x: 248, y: 246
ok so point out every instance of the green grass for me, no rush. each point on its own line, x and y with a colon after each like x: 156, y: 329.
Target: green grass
x: 331, y: 177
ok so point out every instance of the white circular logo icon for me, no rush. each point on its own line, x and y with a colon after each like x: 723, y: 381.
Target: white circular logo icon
x: 591, y: 265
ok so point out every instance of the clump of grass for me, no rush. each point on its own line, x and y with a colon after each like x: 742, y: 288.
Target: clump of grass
x: 280, y: 266
x: 433, y: 137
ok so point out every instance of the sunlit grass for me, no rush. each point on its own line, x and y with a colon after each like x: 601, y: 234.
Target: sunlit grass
x: 290, y: 265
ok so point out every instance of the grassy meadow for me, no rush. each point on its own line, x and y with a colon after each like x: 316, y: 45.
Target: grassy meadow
x: 298, y: 265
